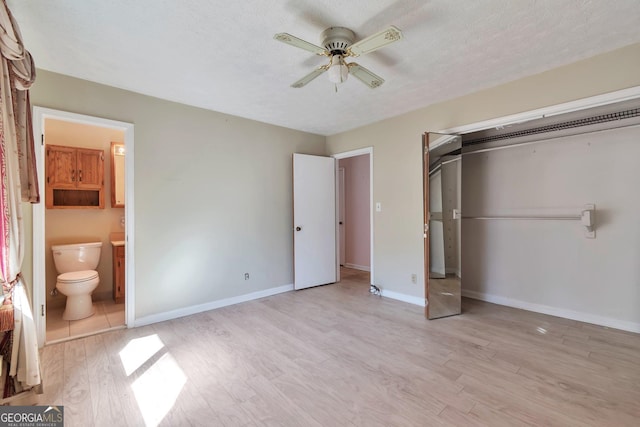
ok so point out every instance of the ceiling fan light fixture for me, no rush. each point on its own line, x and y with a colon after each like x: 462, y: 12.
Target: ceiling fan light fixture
x: 338, y: 43
x: 338, y: 70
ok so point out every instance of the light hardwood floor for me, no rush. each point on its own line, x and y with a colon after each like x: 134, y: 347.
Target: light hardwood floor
x: 339, y: 356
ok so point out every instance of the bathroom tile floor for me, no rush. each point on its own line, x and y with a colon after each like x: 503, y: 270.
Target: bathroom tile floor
x: 108, y: 315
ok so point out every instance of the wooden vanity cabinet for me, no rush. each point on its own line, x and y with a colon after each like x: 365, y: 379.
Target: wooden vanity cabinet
x: 75, y: 177
x: 118, y: 274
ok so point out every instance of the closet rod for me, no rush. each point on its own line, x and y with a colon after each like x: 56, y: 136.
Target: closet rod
x: 457, y: 159
x: 549, y: 218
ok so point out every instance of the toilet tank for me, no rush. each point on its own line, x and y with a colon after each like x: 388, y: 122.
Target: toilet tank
x: 76, y: 257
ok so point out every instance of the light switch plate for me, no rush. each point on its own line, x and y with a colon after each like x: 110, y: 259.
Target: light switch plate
x: 591, y: 234
x: 378, y: 207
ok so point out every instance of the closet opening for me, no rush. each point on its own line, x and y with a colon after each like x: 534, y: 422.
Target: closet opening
x: 548, y: 215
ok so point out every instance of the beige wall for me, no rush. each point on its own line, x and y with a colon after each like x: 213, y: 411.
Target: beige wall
x: 212, y: 194
x: 398, y: 241
x: 83, y: 225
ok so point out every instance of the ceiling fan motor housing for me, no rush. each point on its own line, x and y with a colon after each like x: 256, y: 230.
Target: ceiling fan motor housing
x: 337, y: 40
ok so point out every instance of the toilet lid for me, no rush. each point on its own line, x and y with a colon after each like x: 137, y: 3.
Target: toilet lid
x: 78, y: 276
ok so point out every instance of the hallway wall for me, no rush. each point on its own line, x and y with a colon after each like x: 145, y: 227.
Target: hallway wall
x: 357, y: 212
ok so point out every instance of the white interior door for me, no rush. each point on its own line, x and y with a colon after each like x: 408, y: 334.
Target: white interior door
x: 314, y: 220
x: 341, y: 217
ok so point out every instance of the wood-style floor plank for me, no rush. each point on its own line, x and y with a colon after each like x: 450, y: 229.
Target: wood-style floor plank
x: 115, y: 345
x: 337, y: 355
x: 106, y: 405
x: 52, y: 366
x: 76, y: 393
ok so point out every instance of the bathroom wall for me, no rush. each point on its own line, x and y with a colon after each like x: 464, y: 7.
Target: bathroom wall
x: 82, y: 225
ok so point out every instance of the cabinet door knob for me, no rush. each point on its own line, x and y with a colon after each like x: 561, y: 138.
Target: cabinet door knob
x: 298, y: 228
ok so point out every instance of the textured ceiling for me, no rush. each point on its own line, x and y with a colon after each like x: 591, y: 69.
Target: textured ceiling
x: 221, y: 55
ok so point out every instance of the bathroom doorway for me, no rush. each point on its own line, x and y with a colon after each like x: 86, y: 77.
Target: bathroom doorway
x: 77, y: 225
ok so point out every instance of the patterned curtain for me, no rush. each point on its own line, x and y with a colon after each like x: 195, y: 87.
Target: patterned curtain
x: 18, y: 184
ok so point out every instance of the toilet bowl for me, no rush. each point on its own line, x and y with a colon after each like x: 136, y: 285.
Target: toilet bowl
x: 78, y: 286
x: 76, y: 264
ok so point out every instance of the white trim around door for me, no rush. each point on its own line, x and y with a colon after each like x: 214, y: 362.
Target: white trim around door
x: 553, y: 110
x: 354, y: 153
x: 40, y: 114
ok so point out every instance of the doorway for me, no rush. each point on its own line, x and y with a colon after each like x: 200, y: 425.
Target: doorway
x: 50, y: 125
x: 355, y: 214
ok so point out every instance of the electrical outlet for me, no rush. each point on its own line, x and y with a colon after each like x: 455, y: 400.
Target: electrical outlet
x: 246, y: 276
x: 414, y: 278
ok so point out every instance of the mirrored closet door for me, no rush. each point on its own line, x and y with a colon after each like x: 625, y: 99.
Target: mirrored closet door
x: 442, y: 170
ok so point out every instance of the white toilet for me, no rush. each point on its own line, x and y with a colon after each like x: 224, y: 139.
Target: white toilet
x: 76, y: 265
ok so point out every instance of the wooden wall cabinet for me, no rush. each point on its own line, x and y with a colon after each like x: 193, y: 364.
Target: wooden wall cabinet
x: 118, y: 274
x: 75, y: 177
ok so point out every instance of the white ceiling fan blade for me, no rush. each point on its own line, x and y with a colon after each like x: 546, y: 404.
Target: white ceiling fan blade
x: 312, y: 75
x: 365, y: 76
x: 376, y: 41
x: 296, y: 42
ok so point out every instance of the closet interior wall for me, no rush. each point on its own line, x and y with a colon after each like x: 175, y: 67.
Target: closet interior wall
x: 550, y: 266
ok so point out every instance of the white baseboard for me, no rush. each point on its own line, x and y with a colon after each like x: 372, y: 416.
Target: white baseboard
x: 194, y: 309
x: 555, y: 311
x: 403, y: 297
x: 357, y: 267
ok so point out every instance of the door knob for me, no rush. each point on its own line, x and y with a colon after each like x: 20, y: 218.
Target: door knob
x: 340, y: 222
x: 298, y: 228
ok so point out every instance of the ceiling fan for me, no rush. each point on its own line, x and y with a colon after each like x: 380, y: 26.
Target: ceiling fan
x: 339, y: 44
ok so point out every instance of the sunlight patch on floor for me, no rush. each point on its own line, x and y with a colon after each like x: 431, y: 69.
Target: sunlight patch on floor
x: 158, y: 387
x: 138, y: 351
x: 157, y: 390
